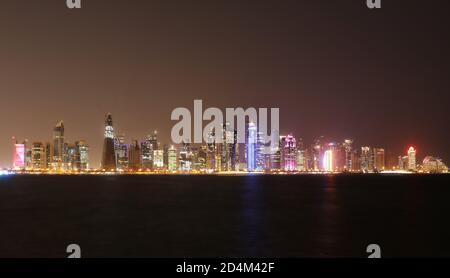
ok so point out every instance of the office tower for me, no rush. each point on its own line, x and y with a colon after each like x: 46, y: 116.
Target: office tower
x: 348, y: 149
x: 158, y: 159
x: 18, y: 155
x: 154, y: 140
x: 251, y: 147
x: 411, y: 159
x: 122, y: 153
x: 356, y: 161
x: 328, y: 161
x: 275, y: 151
x: 186, y: 158
x: 200, y: 158
x: 134, y: 163
x: 48, y: 155
x: 172, y: 159
x: 379, y: 159
x: 317, y: 154
x: 81, y: 161
x: 68, y: 156
x: 211, y: 149
x: 38, y: 157
x: 28, y: 158
x: 302, y: 164
x: 147, y: 152
x: 166, y: 156
x: 366, y: 159
x: 58, y: 146
x: 403, y: 163
x: 109, y: 156
x: 260, y: 151
x: 288, y: 152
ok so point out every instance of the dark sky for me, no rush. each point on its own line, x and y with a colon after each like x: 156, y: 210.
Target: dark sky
x: 334, y: 68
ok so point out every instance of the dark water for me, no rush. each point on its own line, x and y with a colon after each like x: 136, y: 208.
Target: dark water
x: 225, y: 216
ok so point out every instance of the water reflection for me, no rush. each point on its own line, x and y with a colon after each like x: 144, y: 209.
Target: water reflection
x: 253, y: 222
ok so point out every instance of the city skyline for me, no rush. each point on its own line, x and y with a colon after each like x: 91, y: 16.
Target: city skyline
x: 291, y: 154
x: 327, y: 66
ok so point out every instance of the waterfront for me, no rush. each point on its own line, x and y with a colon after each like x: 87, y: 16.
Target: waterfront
x: 224, y: 216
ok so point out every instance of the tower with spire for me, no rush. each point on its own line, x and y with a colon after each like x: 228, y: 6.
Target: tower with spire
x: 108, y: 156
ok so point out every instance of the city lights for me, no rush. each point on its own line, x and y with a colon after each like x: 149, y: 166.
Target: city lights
x: 225, y: 156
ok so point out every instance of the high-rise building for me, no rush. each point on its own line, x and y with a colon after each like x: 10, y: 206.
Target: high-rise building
x: 109, y: 156
x: 251, y: 147
x: 81, y: 156
x: 328, y: 161
x: 58, y: 147
x: 48, y: 155
x: 134, y: 156
x: 288, y: 152
x: 366, y: 159
x: 302, y: 165
x: 411, y: 159
x: 348, y: 149
x: 317, y: 154
x: 18, y: 155
x: 38, y: 156
x: 172, y: 159
x: 275, y: 151
x: 158, y: 159
x: 147, y: 152
x: 122, y: 153
x: 166, y: 156
x: 379, y: 159
x: 186, y: 157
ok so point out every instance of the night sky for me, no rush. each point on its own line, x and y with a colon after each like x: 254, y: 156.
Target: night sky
x: 334, y: 68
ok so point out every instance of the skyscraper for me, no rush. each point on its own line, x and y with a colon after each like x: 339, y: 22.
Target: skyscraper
x: 348, y: 149
x: 289, y: 149
x: 412, y: 159
x: 18, y: 155
x: 251, y: 146
x: 172, y: 157
x: 379, y: 159
x: 58, y: 146
x: 38, y: 157
x: 134, y: 163
x: 81, y: 156
x: 109, y: 156
x: 122, y: 153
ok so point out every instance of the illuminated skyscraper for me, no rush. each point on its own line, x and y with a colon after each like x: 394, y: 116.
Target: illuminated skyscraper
x: 411, y: 159
x: 348, y: 149
x: 148, y: 148
x: 302, y: 164
x: 172, y: 157
x: 328, y: 161
x: 121, y: 153
x: 158, y: 159
x: 186, y: 157
x: 18, y: 155
x: 251, y: 147
x: 38, y: 157
x: 366, y: 159
x: 81, y: 162
x: 109, y: 156
x: 58, y: 146
x: 379, y: 159
x: 289, y: 149
x: 134, y: 163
